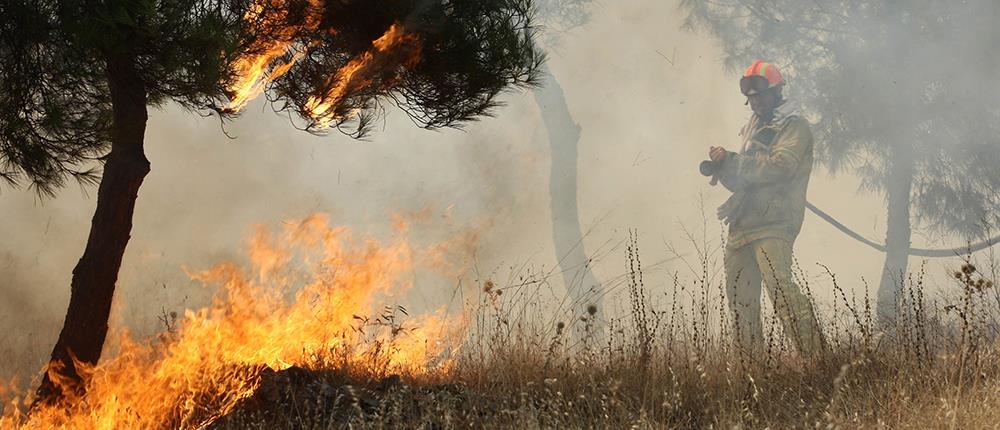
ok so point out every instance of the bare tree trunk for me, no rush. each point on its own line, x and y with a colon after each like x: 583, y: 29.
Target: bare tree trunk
x: 92, y: 290
x: 898, y: 233
x: 564, y: 136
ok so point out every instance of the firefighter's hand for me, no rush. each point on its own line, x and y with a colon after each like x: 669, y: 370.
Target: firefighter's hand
x: 717, y: 153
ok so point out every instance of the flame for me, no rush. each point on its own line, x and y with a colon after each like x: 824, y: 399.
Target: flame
x: 255, y: 72
x: 360, y: 72
x: 214, y: 359
x: 395, y: 49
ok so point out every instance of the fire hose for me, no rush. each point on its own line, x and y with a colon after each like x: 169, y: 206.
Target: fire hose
x: 709, y: 168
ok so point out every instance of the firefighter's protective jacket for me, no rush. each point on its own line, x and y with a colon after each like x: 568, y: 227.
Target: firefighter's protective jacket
x: 768, y: 179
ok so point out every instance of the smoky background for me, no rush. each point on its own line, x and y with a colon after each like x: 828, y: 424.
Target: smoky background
x: 650, y: 99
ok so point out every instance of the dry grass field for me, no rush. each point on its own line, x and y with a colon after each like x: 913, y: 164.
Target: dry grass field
x: 673, y: 366
x: 666, y: 362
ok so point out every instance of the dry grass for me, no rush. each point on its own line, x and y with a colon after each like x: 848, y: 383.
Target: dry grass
x: 666, y: 361
x: 669, y: 363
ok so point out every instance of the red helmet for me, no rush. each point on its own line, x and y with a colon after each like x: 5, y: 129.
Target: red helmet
x: 760, y: 76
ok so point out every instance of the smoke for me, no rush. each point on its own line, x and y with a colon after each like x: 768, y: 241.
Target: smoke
x: 650, y: 99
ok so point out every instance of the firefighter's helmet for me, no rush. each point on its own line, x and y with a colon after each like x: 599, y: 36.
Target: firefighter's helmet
x: 760, y: 76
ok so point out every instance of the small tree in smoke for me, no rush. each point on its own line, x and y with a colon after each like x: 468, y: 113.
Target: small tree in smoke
x: 583, y: 288
x: 903, y: 94
x: 78, y: 78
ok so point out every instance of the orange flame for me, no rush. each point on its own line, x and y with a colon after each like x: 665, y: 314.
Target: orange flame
x: 360, y: 72
x: 200, y: 372
x: 254, y: 73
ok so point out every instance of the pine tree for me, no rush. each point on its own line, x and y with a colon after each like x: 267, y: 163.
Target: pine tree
x: 78, y: 76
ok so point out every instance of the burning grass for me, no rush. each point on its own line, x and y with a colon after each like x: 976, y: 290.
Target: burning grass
x: 670, y: 365
x: 331, y: 354
x: 312, y: 297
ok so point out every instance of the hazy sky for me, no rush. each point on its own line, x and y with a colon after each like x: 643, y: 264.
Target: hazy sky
x: 650, y: 99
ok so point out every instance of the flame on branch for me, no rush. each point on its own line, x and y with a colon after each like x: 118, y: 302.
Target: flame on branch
x: 378, y: 67
x: 292, y: 36
x: 267, y: 60
x: 337, y: 62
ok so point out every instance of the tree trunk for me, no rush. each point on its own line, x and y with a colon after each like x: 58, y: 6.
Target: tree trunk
x: 898, y: 232
x: 564, y: 136
x: 92, y: 290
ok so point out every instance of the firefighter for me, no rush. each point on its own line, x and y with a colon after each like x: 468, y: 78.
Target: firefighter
x: 768, y: 178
